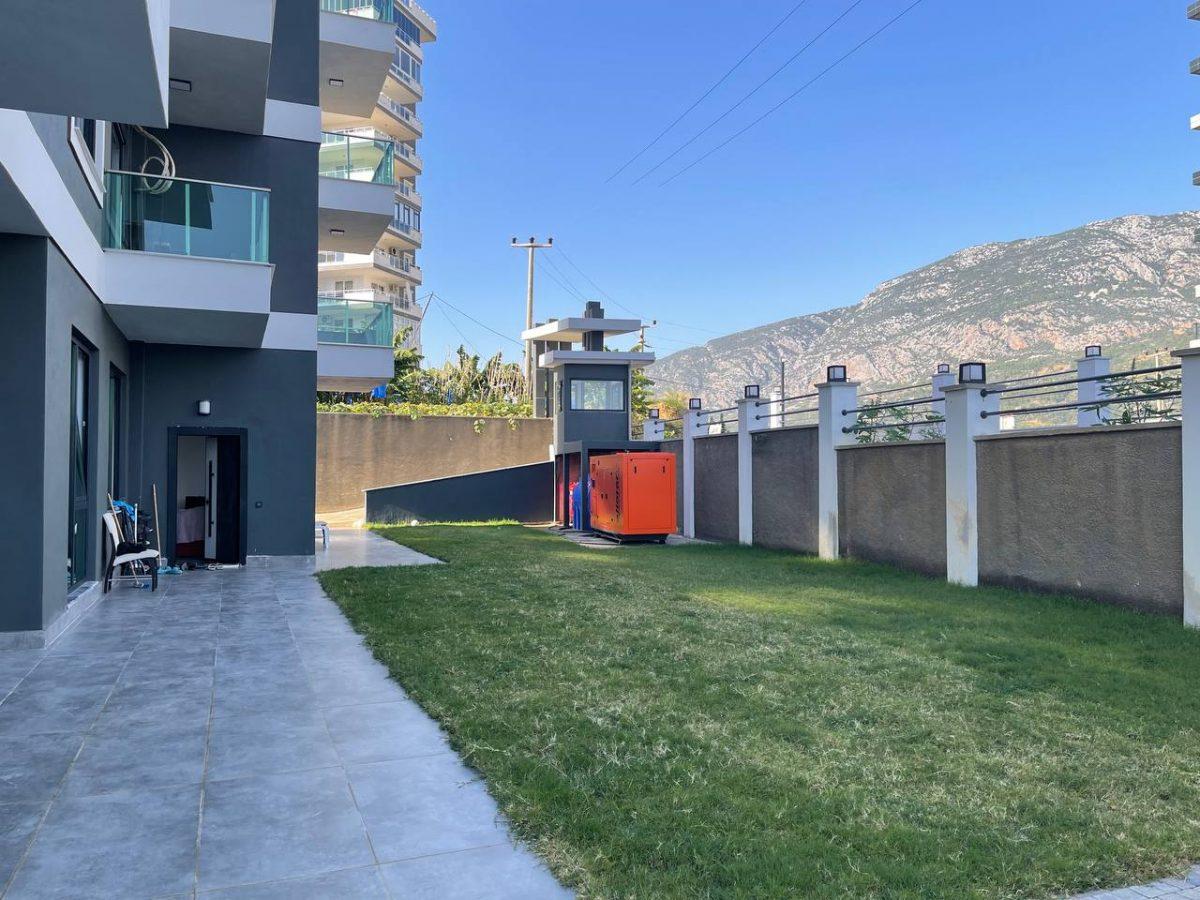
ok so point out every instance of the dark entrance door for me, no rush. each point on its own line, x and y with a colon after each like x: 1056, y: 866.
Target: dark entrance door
x: 79, y: 512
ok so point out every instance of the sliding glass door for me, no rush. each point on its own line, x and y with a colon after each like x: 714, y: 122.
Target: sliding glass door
x: 79, y: 513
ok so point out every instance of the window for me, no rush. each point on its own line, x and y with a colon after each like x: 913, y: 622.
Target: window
x: 407, y: 218
x: 341, y: 286
x: 407, y: 64
x: 407, y: 29
x: 88, y: 139
x: 597, y: 396
x: 115, y: 415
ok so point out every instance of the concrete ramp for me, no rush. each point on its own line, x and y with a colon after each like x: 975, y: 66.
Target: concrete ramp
x: 524, y: 493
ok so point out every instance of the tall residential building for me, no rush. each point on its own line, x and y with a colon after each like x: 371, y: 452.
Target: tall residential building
x: 358, y: 138
x: 160, y: 210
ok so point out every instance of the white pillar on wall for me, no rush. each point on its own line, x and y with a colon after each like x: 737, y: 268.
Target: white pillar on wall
x: 654, y: 430
x: 834, y: 400
x: 965, y: 404
x: 1094, y: 363
x: 943, y: 377
x: 1190, y: 436
x: 691, y: 427
x: 748, y: 410
x: 774, y: 409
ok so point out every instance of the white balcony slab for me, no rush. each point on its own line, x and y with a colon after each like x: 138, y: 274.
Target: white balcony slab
x: 352, y: 367
x: 362, y: 210
x: 356, y: 51
x: 85, y: 58
x: 223, y: 48
x: 169, y: 299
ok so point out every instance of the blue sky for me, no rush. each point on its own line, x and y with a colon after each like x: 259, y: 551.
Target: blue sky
x: 961, y: 124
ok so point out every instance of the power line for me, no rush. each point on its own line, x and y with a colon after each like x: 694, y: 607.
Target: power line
x: 799, y: 90
x: 566, y: 282
x: 454, y: 325
x: 703, y: 131
x: 446, y: 302
x: 706, y: 94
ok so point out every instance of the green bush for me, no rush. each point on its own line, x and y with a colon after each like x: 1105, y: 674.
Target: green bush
x: 474, y: 410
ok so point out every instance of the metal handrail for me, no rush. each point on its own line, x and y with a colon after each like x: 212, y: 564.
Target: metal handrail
x: 1126, y: 374
x: 1035, y: 377
x: 152, y: 177
x: 856, y: 429
x: 899, y: 390
x: 1083, y: 404
x: 786, y: 399
x: 899, y: 403
x: 789, y: 412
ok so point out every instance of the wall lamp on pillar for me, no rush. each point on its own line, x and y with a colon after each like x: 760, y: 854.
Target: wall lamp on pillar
x: 835, y: 373
x: 943, y: 368
x: 203, y: 407
x: 653, y: 414
x: 1093, y: 351
x: 751, y: 392
x: 972, y: 373
x: 694, y: 403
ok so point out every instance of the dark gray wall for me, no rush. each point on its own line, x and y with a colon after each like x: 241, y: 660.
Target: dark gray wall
x: 1094, y: 512
x: 293, y: 73
x: 716, y: 488
x: 892, y: 504
x: 676, y: 447
x: 288, y: 168
x: 523, y: 493
x: 268, y: 392
x: 55, y: 138
x: 785, y: 488
x: 579, y: 425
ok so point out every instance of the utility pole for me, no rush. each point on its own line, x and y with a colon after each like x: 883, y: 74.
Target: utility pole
x: 642, y: 332
x: 532, y: 246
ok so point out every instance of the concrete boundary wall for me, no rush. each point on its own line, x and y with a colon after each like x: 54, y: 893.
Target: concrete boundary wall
x: 892, y: 504
x: 785, y: 488
x: 1095, y: 512
x: 524, y: 493
x: 716, y: 488
x: 676, y: 447
x: 357, y: 452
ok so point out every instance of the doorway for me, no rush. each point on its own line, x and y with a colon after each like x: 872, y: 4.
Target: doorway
x: 207, y: 472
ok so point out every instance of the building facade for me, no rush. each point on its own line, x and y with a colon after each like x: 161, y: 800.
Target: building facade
x: 162, y: 199
x: 383, y: 138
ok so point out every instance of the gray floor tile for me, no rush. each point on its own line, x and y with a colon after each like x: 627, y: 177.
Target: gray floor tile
x: 266, y: 743
x: 132, y: 844
x: 17, y: 822
x: 137, y: 756
x: 45, y: 710
x: 249, y: 696
x: 83, y: 669
x: 493, y: 873
x: 359, y: 884
x: 31, y: 766
x: 270, y: 827
x: 432, y: 804
x: 378, y: 732
x: 351, y: 682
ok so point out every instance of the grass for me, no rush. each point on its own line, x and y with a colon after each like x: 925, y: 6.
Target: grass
x: 709, y: 721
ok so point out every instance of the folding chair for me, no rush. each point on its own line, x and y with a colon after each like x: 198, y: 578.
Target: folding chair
x: 122, y: 552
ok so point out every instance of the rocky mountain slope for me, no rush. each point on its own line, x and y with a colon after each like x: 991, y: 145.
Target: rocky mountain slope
x: 1024, y: 306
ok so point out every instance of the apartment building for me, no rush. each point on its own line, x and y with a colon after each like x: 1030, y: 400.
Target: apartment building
x: 163, y: 193
x: 379, y: 144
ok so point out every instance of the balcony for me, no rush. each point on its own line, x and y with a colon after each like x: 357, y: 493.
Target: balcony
x: 407, y: 88
x: 410, y: 194
x: 358, y: 44
x: 96, y: 60
x: 403, y: 115
x: 356, y: 191
x: 1194, y: 66
x: 354, y: 343
x: 186, y: 261
x: 1193, y: 11
x: 408, y: 161
x: 421, y: 17
x: 222, y: 50
x: 406, y: 232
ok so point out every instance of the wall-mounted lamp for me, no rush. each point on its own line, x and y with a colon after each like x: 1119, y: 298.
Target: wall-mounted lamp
x: 653, y: 413
x: 694, y: 403
x: 835, y: 373
x: 204, y: 407
x: 752, y: 392
x: 180, y: 84
x: 943, y: 368
x: 338, y: 232
x: 336, y: 82
x: 972, y: 373
x: 1091, y: 351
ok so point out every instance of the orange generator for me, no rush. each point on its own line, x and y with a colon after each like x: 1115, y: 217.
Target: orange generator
x: 633, y: 495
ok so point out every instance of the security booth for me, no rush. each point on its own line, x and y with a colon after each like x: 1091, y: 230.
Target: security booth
x: 588, y: 391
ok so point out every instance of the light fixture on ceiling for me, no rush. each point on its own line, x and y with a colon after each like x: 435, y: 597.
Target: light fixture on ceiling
x: 337, y: 232
x: 180, y: 84
x: 336, y: 82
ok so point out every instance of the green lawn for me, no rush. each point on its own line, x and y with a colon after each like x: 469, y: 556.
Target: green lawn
x: 710, y: 721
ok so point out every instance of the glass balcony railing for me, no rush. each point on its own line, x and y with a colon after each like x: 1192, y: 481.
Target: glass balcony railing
x: 382, y: 10
x: 356, y: 158
x: 186, y: 217
x: 363, y: 323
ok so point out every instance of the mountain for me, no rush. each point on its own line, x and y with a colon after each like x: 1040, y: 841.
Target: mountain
x: 1025, y: 307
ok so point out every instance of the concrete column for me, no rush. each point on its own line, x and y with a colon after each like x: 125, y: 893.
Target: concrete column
x: 834, y: 398
x: 747, y: 425
x: 1190, y: 434
x: 940, y: 381
x: 773, y: 409
x: 654, y: 430
x: 691, y: 428
x: 1093, y: 363
x: 964, y: 405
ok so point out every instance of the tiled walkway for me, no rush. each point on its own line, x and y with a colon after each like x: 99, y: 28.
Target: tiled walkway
x: 1186, y: 888
x: 230, y: 736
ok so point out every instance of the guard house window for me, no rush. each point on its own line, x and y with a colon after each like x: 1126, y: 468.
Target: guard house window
x: 597, y: 396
